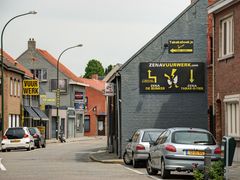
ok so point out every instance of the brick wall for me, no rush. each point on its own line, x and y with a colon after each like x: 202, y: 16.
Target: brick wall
x: 227, y: 70
x: 96, y: 106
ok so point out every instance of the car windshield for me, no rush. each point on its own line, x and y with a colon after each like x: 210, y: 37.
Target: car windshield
x: 32, y: 131
x: 15, y: 133
x: 150, y: 136
x: 193, y: 137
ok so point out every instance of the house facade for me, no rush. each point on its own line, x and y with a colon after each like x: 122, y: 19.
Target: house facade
x: 164, y: 84
x: 225, y: 69
x: 95, y: 123
x: 13, y: 78
x: 44, y: 67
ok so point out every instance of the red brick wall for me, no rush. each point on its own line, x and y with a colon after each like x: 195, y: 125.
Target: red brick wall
x: 227, y: 71
x: 95, y: 99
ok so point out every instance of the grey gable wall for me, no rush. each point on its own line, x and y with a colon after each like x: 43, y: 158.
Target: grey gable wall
x: 164, y: 110
x: 42, y: 63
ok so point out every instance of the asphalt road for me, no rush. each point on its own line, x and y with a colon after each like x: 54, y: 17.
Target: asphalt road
x: 68, y: 161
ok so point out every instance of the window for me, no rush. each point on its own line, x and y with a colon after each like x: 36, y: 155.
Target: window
x: 62, y: 85
x: 226, y: 37
x: 19, y: 89
x: 41, y: 74
x: 15, y: 87
x: 11, y: 87
x: 232, y: 115
x: 13, y: 120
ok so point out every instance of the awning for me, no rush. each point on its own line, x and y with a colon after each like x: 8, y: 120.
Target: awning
x: 32, y: 113
x: 41, y: 114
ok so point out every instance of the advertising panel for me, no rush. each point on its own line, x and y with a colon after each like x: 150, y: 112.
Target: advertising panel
x: 172, y: 77
x: 31, y: 87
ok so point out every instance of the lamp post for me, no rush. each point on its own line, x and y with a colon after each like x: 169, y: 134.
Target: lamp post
x: 58, y: 90
x: 2, y: 63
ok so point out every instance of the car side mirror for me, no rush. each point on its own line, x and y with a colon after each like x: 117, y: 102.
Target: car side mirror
x: 128, y: 140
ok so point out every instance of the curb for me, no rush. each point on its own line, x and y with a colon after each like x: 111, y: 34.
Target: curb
x: 109, y: 161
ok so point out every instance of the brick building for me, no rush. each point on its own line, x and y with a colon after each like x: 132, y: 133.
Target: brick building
x: 95, y: 123
x: 14, y: 74
x: 225, y: 69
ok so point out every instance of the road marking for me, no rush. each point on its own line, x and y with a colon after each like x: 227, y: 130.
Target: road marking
x: 141, y: 173
x: 2, y: 166
x: 133, y: 170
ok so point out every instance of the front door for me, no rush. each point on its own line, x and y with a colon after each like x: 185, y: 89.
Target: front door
x: 101, y: 125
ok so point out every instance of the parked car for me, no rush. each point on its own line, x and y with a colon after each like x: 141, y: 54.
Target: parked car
x: 39, y: 139
x: 181, y: 149
x: 138, y: 147
x: 17, y: 138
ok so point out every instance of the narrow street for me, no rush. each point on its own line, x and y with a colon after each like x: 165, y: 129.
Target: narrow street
x: 63, y: 161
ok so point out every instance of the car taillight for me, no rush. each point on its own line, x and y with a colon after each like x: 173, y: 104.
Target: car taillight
x: 217, y: 150
x: 25, y: 136
x: 170, y: 148
x: 35, y: 136
x: 5, y: 137
x: 140, y: 147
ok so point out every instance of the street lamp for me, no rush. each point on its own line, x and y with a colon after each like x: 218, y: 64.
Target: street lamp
x: 58, y: 90
x: 2, y: 64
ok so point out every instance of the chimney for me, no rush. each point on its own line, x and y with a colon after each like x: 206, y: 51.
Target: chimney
x: 94, y: 76
x: 31, y: 44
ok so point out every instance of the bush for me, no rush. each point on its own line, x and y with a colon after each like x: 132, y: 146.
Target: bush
x: 216, y: 171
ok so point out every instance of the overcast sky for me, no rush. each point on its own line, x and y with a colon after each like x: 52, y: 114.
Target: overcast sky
x: 111, y: 31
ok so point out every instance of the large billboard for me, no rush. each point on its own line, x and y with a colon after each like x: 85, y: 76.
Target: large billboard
x: 172, y: 77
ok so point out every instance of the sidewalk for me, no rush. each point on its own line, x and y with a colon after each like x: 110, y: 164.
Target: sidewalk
x: 84, y: 138
x: 234, y: 171
x: 105, y: 157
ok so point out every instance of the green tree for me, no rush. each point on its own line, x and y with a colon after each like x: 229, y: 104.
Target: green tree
x: 108, y: 69
x: 94, y: 67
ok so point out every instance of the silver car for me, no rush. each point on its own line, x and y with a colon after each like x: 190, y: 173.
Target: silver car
x: 138, y: 147
x: 181, y: 149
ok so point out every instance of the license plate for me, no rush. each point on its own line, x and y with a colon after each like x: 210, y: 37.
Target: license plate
x: 15, y: 140
x: 195, y: 153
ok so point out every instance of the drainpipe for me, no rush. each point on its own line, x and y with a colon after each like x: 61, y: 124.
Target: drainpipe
x: 213, y: 72
x: 118, y: 117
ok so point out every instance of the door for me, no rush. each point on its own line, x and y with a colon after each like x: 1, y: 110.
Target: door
x: 101, y: 125
x: 54, y: 125
x: 70, y: 128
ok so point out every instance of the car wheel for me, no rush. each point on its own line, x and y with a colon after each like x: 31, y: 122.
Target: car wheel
x: 149, y: 168
x: 44, y: 144
x: 39, y: 144
x: 8, y: 150
x: 126, y: 159
x: 29, y: 148
x: 164, y: 173
x: 3, y: 150
x: 135, y: 162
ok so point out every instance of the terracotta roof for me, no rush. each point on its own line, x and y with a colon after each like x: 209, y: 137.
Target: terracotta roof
x: 62, y: 68
x: 17, y: 64
x: 96, y: 84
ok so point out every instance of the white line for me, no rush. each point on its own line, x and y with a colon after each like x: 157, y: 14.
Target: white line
x: 141, y: 173
x: 2, y: 166
x: 136, y: 171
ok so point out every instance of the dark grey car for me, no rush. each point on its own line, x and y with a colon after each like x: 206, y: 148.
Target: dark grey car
x: 138, y: 147
x: 39, y: 139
